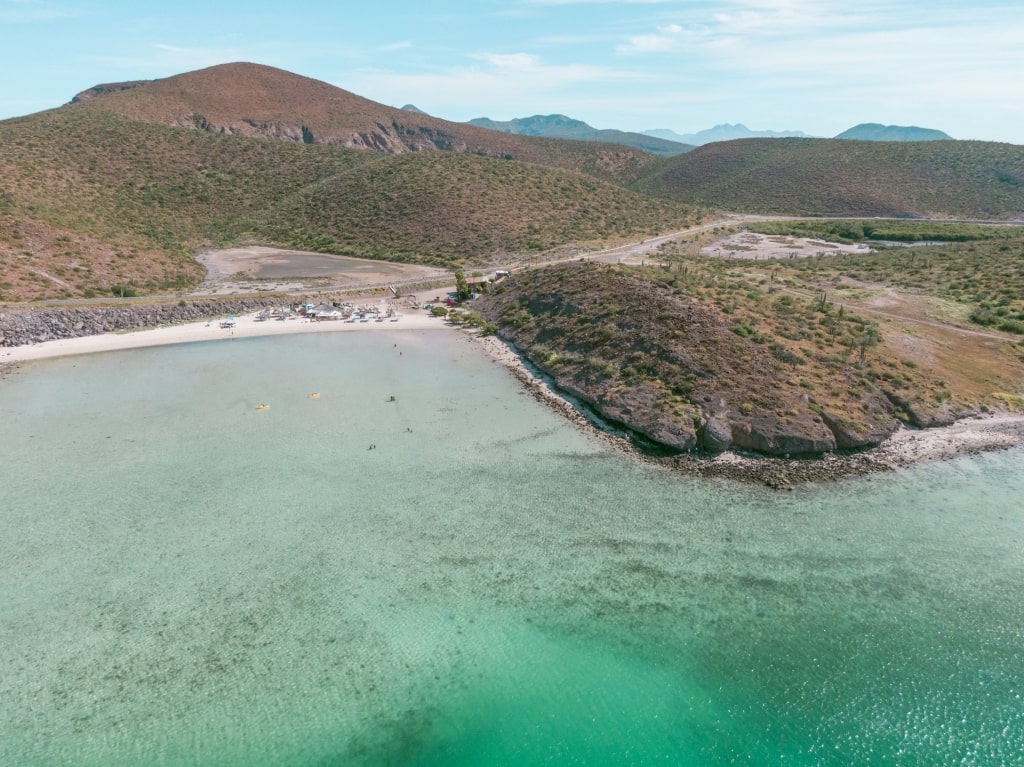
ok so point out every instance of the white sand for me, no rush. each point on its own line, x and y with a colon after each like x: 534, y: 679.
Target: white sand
x: 245, y: 327
x: 970, y: 435
x: 753, y: 246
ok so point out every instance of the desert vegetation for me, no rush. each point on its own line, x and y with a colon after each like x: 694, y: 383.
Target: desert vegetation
x: 444, y: 208
x: 92, y: 203
x: 827, y: 177
x: 680, y: 358
x: 980, y: 268
x: 774, y: 348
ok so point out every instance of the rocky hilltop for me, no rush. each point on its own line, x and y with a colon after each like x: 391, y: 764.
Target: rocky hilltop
x: 257, y: 101
x: 671, y: 369
x: 105, y: 88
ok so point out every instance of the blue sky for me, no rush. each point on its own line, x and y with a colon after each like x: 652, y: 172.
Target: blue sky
x: 819, y: 66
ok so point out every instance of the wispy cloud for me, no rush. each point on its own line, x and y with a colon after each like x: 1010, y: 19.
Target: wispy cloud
x: 27, y: 11
x: 599, y: 2
x: 798, y: 36
x: 882, y: 56
x: 524, y: 80
x: 171, y: 59
x: 25, y: 105
x: 667, y: 39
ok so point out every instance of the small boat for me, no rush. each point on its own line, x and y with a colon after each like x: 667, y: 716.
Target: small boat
x: 263, y: 406
x: 314, y: 395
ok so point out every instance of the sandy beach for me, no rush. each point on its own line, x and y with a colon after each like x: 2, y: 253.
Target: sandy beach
x: 245, y: 327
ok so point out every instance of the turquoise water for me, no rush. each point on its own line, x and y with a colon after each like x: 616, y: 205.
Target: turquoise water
x: 187, y: 580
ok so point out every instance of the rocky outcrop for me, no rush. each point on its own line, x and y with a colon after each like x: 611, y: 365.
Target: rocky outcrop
x: 105, y: 88
x: 870, y: 421
x: 391, y: 138
x: 31, y: 326
x: 929, y: 415
x: 772, y: 433
x: 637, y: 409
x: 716, y: 436
x: 672, y: 370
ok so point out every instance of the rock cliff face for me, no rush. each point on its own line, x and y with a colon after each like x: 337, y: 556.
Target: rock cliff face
x: 105, y: 88
x: 391, y: 138
x: 30, y: 326
x: 668, y: 368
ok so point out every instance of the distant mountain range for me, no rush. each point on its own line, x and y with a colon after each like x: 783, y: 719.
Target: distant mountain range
x: 877, y: 132
x: 560, y: 126
x: 862, y: 132
x: 723, y: 132
x: 667, y: 142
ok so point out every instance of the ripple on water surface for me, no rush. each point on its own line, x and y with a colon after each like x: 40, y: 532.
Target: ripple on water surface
x: 186, y: 579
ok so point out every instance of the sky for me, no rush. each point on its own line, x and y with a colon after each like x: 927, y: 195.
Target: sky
x: 817, y: 66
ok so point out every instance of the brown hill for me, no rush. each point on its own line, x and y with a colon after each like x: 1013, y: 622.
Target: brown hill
x: 254, y: 100
x: 93, y: 203
x: 829, y: 177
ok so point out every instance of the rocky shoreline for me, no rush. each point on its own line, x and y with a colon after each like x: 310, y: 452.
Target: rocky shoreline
x: 906, y: 447
x: 31, y: 326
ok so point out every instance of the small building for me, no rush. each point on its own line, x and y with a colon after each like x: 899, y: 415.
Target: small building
x: 325, y: 312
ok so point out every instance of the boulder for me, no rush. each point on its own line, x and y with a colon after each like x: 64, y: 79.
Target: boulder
x: 771, y: 434
x: 870, y: 422
x: 716, y: 436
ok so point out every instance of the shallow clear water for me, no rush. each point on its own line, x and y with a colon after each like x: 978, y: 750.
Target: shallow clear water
x: 187, y: 580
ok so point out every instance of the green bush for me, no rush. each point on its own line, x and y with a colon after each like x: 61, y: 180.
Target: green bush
x: 1012, y: 326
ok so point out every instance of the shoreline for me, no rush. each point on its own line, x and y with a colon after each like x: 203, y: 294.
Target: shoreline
x: 246, y: 326
x: 905, y: 448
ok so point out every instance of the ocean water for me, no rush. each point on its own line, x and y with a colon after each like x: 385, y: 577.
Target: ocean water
x: 185, y: 579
